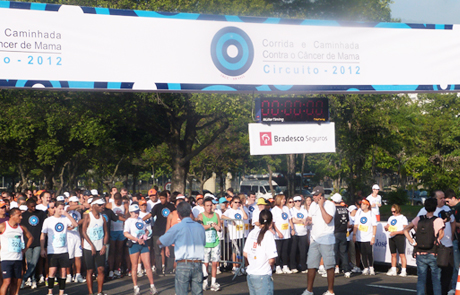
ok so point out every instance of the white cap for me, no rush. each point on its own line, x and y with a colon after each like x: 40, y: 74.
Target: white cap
x: 98, y: 202
x: 66, y: 194
x: 376, y: 186
x: 94, y: 192
x: 297, y: 198
x: 133, y: 208
x: 60, y: 198
x: 74, y: 199
x: 23, y: 208
x: 90, y: 200
x: 336, y: 198
x: 180, y: 197
x: 351, y: 208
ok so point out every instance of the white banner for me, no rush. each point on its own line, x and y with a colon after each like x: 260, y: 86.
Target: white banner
x: 278, y: 139
x: 71, y: 47
x: 382, y: 249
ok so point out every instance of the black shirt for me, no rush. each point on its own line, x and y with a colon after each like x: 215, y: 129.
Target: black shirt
x: 341, y: 219
x: 34, y: 223
x: 109, y: 216
x: 161, y: 212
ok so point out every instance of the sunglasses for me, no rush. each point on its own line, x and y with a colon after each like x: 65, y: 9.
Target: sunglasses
x: 100, y: 205
x: 290, y: 202
x: 297, y: 201
x: 4, y: 207
x: 237, y: 202
x: 393, y: 211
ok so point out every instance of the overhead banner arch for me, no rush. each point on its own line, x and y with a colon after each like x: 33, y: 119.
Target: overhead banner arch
x: 85, y: 48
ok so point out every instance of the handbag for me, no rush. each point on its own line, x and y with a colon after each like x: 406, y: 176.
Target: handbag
x: 445, y: 256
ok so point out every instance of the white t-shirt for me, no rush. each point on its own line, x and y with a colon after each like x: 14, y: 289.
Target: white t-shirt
x: 447, y: 239
x: 258, y: 255
x: 56, y: 229
x: 197, y: 210
x: 322, y: 232
x: 300, y: 229
x: 236, y: 228
x: 281, y: 219
x: 136, y: 227
x: 151, y: 204
x: 365, y: 223
x: 377, y: 200
x: 246, y: 221
x: 251, y: 209
x: 255, y: 216
x: 397, y: 223
x: 350, y: 230
x: 148, y: 222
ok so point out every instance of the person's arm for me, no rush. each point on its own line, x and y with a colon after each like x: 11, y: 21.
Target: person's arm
x: 218, y: 225
x: 407, y: 230
x: 245, y: 216
x: 149, y: 215
x: 355, y: 230
x: 106, y: 237
x: 72, y: 221
x: 374, y: 232
x: 280, y: 235
x: 74, y: 207
x: 42, y: 245
x: 2, y: 227
x: 326, y: 217
x: 30, y: 239
x: 84, y: 229
x: 168, y: 222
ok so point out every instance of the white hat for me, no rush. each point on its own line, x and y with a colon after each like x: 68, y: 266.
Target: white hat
x: 134, y: 208
x: 90, y: 200
x: 66, y: 194
x: 336, y: 198
x: 351, y: 208
x: 376, y: 186
x: 98, y: 202
x: 94, y: 192
x: 297, y: 198
x: 23, y: 208
x: 179, y: 197
x: 60, y: 198
x: 74, y: 199
x: 208, y: 195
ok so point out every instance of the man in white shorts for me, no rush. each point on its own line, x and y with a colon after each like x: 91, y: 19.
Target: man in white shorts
x: 74, y: 241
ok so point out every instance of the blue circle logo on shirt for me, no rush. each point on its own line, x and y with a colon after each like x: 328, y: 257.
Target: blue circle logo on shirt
x: 284, y: 215
x: 300, y: 215
x: 165, y: 212
x: 75, y: 216
x: 237, y: 216
x: 363, y: 220
x: 251, y: 209
x: 148, y: 221
x: 393, y: 222
x: 33, y: 220
x: 59, y: 227
x: 139, y: 225
x: 106, y: 218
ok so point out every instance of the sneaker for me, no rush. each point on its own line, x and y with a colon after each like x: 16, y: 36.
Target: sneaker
x: 79, y: 278
x: 321, y: 271
x: 116, y: 273
x: 366, y: 272
x: 328, y: 293
x: 286, y: 270
x: 371, y: 271
x: 356, y: 269
x: 153, y: 291
x: 137, y: 291
x: 28, y: 282
x: 306, y: 292
x: 278, y: 270
x: 337, y: 270
x: 22, y: 285
x: 294, y: 270
x: 140, y: 274
x: 347, y: 274
x: 451, y: 292
x: 110, y: 275
x: 305, y: 271
x: 41, y: 280
x: 218, y: 271
x: 68, y: 279
x: 153, y: 268
x: 392, y: 272
x: 215, y: 287
x: 205, y: 284
x: 324, y: 275
x: 404, y: 274
x: 34, y: 285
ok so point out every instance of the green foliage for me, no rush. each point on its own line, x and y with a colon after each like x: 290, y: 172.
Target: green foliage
x: 398, y: 197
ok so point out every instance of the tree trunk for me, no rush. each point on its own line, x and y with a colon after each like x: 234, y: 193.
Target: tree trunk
x: 302, y: 169
x: 291, y: 174
x: 270, y: 178
x: 179, y: 176
x: 24, y: 178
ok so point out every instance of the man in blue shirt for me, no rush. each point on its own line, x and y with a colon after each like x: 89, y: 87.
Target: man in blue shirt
x: 189, y: 239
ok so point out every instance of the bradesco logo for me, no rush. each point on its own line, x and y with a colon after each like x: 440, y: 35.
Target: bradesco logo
x: 265, y: 138
x: 232, y: 51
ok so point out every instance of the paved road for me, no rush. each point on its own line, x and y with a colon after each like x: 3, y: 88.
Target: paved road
x: 380, y: 284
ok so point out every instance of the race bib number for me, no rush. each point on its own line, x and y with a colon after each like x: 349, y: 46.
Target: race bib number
x: 239, y: 227
x: 363, y: 228
x: 246, y: 226
x: 14, y: 245
x: 96, y: 233
x: 210, y: 236
x: 59, y: 240
x: 284, y: 226
x: 299, y: 225
x: 392, y: 228
x: 348, y: 234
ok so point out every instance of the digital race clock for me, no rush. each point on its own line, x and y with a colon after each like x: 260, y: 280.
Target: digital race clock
x: 273, y: 109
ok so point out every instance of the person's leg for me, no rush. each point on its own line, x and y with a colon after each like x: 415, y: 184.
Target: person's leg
x: 337, y: 249
x: 100, y: 278
x: 456, y: 253
x: 14, y: 286
x: 6, y: 283
x: 170, y: 261
x: 284, y: 251
x: 393, y: 259
x: 61, y: 280
x: 363, y: 250
x: 145, y: 257
x: 182, y: 278
x: 112, y: 250
x: 30, y: 266
x: 435, y: 274
x: 157, y: 254
x: 352, y: 253
x: 314, y: 257
x: 51, y: 276
x: 294, y: 244
x: 303, y: 246
x: 134, y: 257
x: 196, y: 278
x: 327, y: 252
x: 278, y: 244
x: 422, y: 268
x: 446, y: 277
x: 370, y: 254
x: 119, y: 250
x: 89, y: 280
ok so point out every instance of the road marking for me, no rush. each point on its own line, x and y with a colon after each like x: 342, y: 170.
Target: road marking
x: 392, y: 288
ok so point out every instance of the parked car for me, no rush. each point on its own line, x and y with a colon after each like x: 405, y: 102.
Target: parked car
x: 417, y: 196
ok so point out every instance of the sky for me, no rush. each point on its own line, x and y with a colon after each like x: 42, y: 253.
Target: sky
x: 426, y: 11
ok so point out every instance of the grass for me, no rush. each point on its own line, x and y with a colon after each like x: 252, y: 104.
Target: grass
x: 407, y: 210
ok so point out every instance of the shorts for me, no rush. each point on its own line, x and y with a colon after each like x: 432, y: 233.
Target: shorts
x: 74, y: 245
x: 237, y: 244
x: 59, y: 260
x: 117, y: 236
x: 316, y: 251
x: 212, y: 254
x: 136, y: 248
x: 98, y: 260
x: 397, y: 242
x: 12, y: 269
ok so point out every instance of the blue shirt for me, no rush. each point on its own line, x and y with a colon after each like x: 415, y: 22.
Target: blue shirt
x: 189, y: 239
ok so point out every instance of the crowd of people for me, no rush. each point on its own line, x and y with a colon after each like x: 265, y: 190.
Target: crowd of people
x: 53, y: 240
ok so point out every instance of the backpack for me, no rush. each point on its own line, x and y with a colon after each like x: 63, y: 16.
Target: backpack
x: 426, y: 239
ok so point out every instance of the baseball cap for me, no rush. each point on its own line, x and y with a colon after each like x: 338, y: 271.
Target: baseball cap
x: 317, y: 190
x: 142, y: 202
x: 134, y: 208
x: 297, y: 198
x: 98, y: 202
x: 179, y: 197
x: 66, y: 194
x: 336, y: 198
x: 74, y: 199
x: 199, y: 197
x: 23, y: 208
x: 94, y: 192
x: 2, y: 204
x: 214, y: 201
x: 223, y: 200
x: 271, y: 200
x: 376, y: 186
x: 261, y: 201
x: 351, y: 208
x: 90, y: 200
x: 60, y: 198
x: 87, y: 193
x: 152, y: 192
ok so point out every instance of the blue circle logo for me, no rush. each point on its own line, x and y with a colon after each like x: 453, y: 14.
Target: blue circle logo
x: 232, y: 51
x: 300, y: 215
x: 237, y: 216
x: 363, y: 220
x: 139, y: 225
x: 284, y: 215
x: 393, y: 222
x: 148, y: 221
x: 75, y: 216
x: 251, y: 209
x: 33, y: 220
x: 59, y: 227
x: 165, y: 212
x: 106, y: 218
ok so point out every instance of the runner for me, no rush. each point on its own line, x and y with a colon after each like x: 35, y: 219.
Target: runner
x: 12, y: 251
x: 397, y: 240
x: 376, y: 201
x: 364, y: 232
x: 300, y: 239
x: 116, y: 236
x: 284, y: 228
x: 74, y: 241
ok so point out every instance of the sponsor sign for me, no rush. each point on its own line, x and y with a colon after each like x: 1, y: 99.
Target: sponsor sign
x: 73, y: 47
x: 277, y: 139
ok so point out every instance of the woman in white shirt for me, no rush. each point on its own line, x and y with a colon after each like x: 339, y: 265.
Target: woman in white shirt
x: 397, y: 240
x: 364, y: 231
x: 284, y: 228
x: 260, y: 251
x: 300, y: 239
